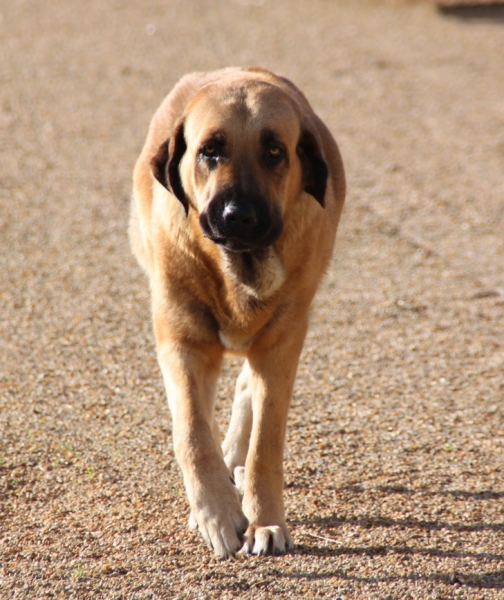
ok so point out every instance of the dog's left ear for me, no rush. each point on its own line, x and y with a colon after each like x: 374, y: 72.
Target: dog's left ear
x: 314, y: 166
x: 165, y: 165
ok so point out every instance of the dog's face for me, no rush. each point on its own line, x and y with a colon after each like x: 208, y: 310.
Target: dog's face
x: 239, y: 157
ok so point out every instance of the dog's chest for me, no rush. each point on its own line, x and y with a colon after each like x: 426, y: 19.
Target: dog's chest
x: 235, y: 343
x: 256, y: 276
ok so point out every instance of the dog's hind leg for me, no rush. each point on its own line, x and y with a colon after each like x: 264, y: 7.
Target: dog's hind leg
x: 236, y: 443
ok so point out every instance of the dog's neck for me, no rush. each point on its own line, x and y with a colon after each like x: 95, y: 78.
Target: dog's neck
x: 259, y: 274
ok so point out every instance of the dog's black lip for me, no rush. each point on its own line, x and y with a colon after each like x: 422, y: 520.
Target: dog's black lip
x: 237, y: 245
x: 234, y: 245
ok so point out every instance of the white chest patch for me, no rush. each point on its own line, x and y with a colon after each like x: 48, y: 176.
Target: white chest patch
x: 234, y: 345
x: 259, y: 274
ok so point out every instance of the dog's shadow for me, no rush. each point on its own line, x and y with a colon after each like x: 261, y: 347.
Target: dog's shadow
x: 494, y: 13
x: 329, y: 546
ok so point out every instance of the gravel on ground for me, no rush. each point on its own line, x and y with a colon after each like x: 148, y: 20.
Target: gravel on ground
x: 395, y: 454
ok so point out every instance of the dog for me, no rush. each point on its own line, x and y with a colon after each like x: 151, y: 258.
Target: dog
x: 237, y: 196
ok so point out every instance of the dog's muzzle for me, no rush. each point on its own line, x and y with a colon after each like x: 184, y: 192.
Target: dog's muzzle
x: 241, y: 222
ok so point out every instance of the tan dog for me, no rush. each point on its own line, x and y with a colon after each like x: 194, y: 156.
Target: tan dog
x: 237, y: 196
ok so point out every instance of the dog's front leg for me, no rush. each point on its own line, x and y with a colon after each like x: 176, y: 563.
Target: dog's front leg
x: 190, y: 374
x: 272, y: 374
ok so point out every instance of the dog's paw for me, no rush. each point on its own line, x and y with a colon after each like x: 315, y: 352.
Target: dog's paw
x: 192, y: 523
x: 223, y: 529
x: 272, y: 540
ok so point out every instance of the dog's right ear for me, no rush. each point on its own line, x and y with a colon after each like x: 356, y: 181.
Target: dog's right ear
x: 165, y: 165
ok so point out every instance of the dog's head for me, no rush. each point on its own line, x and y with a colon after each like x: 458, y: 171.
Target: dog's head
x: 239, y: 156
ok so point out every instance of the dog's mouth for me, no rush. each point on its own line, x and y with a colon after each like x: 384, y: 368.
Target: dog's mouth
x: 241, y: 226
x: 232, y: 245
x: 239, y: 245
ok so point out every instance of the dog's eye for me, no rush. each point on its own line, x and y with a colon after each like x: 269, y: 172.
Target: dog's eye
x: 275, y: 151
x: 209, y: 150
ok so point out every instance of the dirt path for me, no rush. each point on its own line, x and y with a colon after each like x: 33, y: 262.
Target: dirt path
x: 394, y: 467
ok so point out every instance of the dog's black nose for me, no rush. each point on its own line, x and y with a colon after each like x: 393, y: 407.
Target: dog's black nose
x: 241, y: 222
x: 239, y: 215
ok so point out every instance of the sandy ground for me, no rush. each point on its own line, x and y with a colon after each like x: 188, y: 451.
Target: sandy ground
x: 394, y: 465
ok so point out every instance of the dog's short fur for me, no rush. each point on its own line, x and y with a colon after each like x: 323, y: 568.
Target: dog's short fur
x: 237, y: 196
